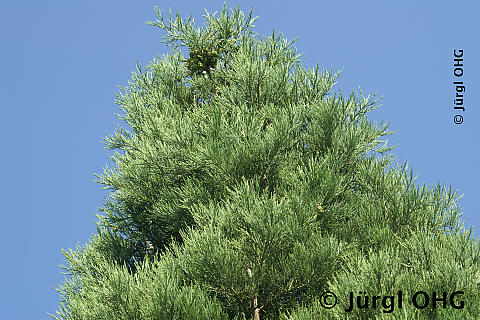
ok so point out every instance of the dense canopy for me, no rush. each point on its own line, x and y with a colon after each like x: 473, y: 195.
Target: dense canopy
x: 244, y: 188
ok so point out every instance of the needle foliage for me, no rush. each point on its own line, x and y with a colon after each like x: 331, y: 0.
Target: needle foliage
x: 244, y: 188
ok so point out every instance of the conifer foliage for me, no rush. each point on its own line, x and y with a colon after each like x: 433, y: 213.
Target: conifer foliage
x: 244, y: 188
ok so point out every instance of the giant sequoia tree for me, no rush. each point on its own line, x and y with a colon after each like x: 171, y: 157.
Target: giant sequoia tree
x: 243, y: 188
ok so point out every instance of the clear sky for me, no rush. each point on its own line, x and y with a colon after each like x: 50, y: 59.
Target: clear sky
x: 61, y: 63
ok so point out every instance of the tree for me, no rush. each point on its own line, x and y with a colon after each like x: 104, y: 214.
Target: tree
x: 243, y: 188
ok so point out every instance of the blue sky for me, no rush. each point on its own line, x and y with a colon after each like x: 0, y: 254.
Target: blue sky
x: 62, y: 61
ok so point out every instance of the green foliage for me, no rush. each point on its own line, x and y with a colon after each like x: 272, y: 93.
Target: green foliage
x: 100, y: 289
x: 425, y: 262
x: 280, y: 247
x: 243, y: 188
